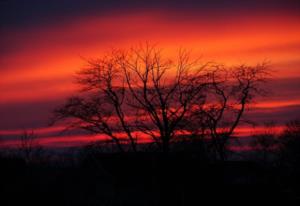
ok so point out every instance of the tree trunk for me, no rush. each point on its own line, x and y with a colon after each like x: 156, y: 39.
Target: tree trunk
x: 166, y: 145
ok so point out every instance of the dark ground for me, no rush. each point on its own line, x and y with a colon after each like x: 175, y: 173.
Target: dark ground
x: 146, y: 179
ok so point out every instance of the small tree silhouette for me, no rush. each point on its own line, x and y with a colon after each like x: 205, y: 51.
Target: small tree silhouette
x: 266, y: 143
x: 289, y: 145
x: 29, y: 147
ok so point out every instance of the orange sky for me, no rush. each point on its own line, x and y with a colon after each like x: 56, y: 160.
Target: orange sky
x: 41, y: 59
x: 53, y: 53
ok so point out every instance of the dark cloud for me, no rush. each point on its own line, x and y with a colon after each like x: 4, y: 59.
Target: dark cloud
x: 25, y: 115
x: 282, y: 89
x: 15, y: 13
x: 279, y: 115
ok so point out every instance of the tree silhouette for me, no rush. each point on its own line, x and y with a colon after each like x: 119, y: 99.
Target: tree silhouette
x: 231, y: 91
x: 101, y: 109
x: 29, y: 146
x: 289, y: 145
x: 163, y: 92
x: 139, y: 93
x: 135, y: 90
x: 266, y: 142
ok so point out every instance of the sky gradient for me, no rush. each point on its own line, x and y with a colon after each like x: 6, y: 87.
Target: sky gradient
x: 43, y: 43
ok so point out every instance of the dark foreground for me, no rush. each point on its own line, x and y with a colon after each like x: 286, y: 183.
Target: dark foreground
x: 146, y: 179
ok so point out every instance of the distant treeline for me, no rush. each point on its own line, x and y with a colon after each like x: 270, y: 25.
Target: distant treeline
x: 187, y: 175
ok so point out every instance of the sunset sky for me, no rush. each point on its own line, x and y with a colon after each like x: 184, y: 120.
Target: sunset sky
x: 43, y: 43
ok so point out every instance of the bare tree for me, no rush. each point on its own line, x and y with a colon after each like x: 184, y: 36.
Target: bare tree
x: 289, y: 145
x: 163, y: 91
x: 101, y: 108
x: 29, y: 146
x: 231, y: 92
x: 139, y: 93
x: 266, y: 142
x: 135, y: 91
